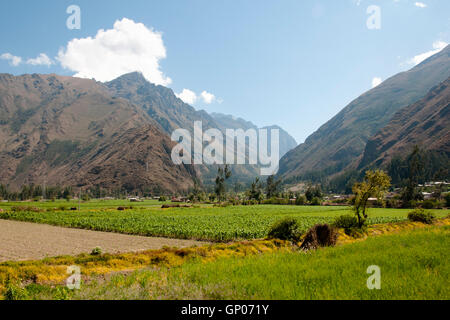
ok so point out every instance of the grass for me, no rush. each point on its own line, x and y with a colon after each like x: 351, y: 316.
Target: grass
x: 51, y: 271
x: 413, y: 264
x: 200, y: 222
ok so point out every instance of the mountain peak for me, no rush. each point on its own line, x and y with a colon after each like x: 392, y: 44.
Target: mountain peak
x: 132, y: 77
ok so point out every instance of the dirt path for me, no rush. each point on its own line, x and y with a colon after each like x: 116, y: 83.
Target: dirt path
x: 29, y: 241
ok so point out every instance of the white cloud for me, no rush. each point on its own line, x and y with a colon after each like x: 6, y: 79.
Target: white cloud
x: 207, y: 97
x: 128, y: 47
x: 13, y: 60
x: 437, y: 47
x: 188, y: 96
x: 420, y: 5
x: 41, y: 60
x: 376, y: 82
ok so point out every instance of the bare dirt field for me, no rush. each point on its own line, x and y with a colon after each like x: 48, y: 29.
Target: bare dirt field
x: 28, y: 241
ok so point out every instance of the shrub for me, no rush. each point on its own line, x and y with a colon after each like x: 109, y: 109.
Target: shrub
x: 280, y: 201
x: 162, y: 199
x: 250, y: 202
x: 349, y: 223
x: 300, y: 201
x: 447, y: 200
x: 420, y: 215
x: 286, y: 229
x: 410, y: 204
x: 392, y: 203
x: 97, y: 251
x: 321, y: 235
x: 428, y: 204
x: 316, y: 202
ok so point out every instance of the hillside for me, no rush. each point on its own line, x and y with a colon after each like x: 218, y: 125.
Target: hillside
x: 69, y: 131
x: 425, y: 123
x: 159, y: 102
x: 339, y: 143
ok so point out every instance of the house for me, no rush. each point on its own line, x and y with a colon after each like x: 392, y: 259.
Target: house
x: 427, y: 195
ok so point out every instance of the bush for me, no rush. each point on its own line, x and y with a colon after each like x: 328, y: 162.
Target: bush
x: 420, y: 215
x: 250, y: 202
x: 428, y: 204
x: 300, y: 201
x: 280, y: 201
x: 96, y: 251
x: 321, y: 235
x: 162, y: 199
x: 286, y: 229
x: 410, y: 204
x: 316, y: 202
x: 392, y: 203
x: 349, y: 223
x: 447, y: 200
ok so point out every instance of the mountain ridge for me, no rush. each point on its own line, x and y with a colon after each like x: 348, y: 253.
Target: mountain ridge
x: 424, y: 123
x: 339, y: 143
x: 51, y: 133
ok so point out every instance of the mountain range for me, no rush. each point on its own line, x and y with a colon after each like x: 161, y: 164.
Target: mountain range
x: 63, y: 131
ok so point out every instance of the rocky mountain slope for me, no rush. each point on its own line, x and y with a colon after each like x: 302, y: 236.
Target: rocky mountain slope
x: 69, y: 131
x: 339, y: 144
x: 425, y: 123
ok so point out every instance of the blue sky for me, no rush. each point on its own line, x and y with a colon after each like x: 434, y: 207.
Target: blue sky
x: 295, y: 63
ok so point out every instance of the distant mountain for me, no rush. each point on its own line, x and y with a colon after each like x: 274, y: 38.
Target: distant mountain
x: 425, y: 123
x: 171, y: 113
x: 287, y: 142
x: 339, y: 144
x: 69, y: 131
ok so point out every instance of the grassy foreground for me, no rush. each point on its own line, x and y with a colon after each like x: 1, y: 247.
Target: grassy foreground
x: 414, y: 265
x: 201, y: 222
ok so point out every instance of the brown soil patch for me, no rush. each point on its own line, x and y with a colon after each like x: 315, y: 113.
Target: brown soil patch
x: 29, y: 241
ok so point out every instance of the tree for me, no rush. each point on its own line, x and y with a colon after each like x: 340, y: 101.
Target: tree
x: 415, y: 170
x: 309, y: 194
x: 272, y: 186
x: 222, y: 176
x: 313, y: 192
x: 375, y: 184
x: 67, y: 193
x: 197, y: 193
x: 255, y: 192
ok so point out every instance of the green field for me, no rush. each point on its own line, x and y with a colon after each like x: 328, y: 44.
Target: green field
x: 199, y: 222
x: 413, y: 264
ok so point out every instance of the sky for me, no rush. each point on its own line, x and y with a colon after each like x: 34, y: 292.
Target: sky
x: 294, y: 63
